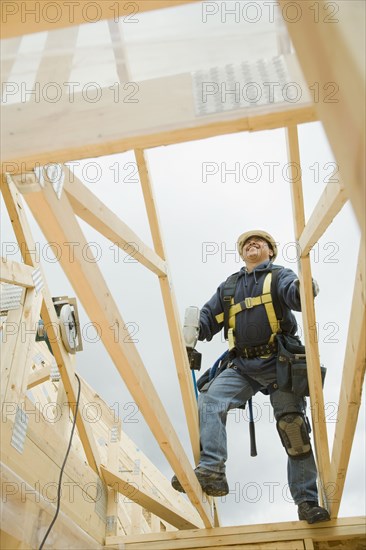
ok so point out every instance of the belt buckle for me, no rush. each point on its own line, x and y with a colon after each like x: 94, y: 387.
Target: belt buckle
x: 248, y: 303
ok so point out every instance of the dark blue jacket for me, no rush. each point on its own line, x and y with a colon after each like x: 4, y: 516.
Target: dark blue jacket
x: 251, y: 325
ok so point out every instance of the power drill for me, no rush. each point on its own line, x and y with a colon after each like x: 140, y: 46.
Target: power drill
x: 190, y: 332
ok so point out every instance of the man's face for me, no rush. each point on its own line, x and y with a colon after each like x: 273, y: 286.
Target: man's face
x: 256, y: 250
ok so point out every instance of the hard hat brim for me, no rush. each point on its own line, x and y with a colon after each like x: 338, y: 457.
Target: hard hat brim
x: 257, y: 233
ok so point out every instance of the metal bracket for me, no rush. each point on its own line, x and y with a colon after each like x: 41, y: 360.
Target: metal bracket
x: 55, y: 373
x: 56, y: 176
x: 10, y: 296
x: 101, y: 501
x: 37, y: 280
x: 19, y: 430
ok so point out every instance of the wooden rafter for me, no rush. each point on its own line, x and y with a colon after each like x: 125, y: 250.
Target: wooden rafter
x: 25, y: 17
x: 58, y: 223
x: 330, y: 203
x: 24, y: 237
x: 15, y: 273
x: 92, y: 210
x: 30, y: 140
x: 309, y: 319
x: 351, y: 386
x: 126, y: 485
x: 333, y: 63
x: 171, y: 309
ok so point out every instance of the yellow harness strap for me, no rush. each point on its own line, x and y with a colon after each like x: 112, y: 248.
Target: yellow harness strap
x: 264, y: 299
x: 272, y: 319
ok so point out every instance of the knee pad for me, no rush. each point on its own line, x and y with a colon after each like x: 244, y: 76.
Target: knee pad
x: 294, y: 434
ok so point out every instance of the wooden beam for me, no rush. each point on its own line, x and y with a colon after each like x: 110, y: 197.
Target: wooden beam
x: 42, y: 363
x: 22, y: 358
x: 251, y: 536
x: 24, y: 237
x: 15, y: 273
x: 338, y: 82
x: 351, y: 386
x: 94, y: 212
x: 171, y: 311
x: 9, y: 340
x: 309, y: 319
x: 25, y: 17
x: 39, y: 466
x: 35, y: 134
x: 330, y: 203
x: 58, y: 223
x: 129, y: 453
x: 126, y: 485
x: 38, y: 377
x: 119, y: 51
x: 56, y: 68
x: 9, y: 51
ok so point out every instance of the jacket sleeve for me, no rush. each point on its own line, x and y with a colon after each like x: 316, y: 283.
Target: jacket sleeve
x: 288, y: 289
x: 208, y: 324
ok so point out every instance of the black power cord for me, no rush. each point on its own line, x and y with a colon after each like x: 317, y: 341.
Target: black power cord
x: 63, y: 465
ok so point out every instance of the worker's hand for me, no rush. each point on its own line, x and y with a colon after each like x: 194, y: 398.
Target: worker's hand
x: 316, y: 288
x: 191, y: 326
x: 314, y: 285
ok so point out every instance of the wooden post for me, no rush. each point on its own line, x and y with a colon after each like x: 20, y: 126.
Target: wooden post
x: 171, y: 310
x: 351, y: 386
x: 309, y: 320
x: 333, y: 63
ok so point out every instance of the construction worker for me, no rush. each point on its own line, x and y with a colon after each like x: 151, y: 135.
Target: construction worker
x: 251, y: 368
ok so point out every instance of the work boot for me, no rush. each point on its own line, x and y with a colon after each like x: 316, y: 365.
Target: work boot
x: 312, y: 512
x: 212, y: 483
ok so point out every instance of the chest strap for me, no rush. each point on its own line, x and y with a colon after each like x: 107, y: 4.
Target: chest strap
x: 231, y: 309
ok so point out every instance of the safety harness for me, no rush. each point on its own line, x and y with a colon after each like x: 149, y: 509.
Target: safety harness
x: 293, y: 426
x: 268, y: 298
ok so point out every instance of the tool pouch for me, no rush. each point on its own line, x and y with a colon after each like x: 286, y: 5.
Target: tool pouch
x: 291, y: 366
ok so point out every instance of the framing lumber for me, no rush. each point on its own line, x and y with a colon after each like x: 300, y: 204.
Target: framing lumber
x: 152, y: 482
x: 30, y: 139
x: 171, y: 311
x: 22, y: 358
x: 92, y: 210
x: 38, y: 377
x: 126, y: 485
x: 330, y: 203
x: 25, y: 17
x: 351, y: 386
x: 9, y: 340
x: 57, y: 69
x: 58, y: 223
x: 39, y: 466
x: 113, y: 463
x: 246, y: 536
x: 309, y: 320
x: 10, y: 50
x: 25, y: 240
x: 119, y: 51
x: 343, y: 115
x: 15, y: 273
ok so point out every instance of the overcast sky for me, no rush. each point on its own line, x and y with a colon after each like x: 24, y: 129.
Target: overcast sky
x: 203, y: 208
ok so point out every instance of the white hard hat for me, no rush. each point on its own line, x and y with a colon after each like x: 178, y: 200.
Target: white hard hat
x: 257, y: 233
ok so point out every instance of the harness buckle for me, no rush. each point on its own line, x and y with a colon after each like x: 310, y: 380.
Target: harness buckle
x: 248, y: 303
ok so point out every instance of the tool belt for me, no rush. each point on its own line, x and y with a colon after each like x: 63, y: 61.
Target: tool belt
x: 256, y: 351
x: 291, y: 366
